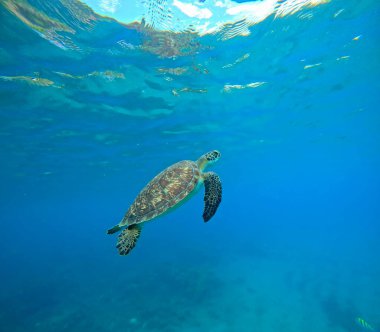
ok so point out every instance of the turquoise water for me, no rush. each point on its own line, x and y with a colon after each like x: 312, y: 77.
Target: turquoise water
x: 93, y: 108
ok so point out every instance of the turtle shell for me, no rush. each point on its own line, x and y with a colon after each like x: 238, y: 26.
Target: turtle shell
x: 165, y: 191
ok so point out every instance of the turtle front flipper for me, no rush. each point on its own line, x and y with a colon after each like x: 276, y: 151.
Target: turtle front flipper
x: 213, y: 194
x: 127, y: 239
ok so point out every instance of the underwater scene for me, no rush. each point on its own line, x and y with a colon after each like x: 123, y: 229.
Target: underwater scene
x: 230, y: 149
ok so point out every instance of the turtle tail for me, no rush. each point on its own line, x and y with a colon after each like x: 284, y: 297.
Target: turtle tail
x: 127, y: 239
x: 114, y: 229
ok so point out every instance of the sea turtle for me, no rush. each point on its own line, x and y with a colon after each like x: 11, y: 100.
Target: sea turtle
x: 166, y: 191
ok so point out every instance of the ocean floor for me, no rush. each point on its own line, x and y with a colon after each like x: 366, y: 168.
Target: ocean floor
x: 247, y: 293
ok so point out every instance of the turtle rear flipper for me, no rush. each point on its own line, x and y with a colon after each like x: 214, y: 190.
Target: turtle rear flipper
x: 213, y: 194
x: 127, y: 239
x: 114, y: 229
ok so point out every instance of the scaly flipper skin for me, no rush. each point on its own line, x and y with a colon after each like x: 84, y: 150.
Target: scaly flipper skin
x: 213, y: 195
x: 127, y: 239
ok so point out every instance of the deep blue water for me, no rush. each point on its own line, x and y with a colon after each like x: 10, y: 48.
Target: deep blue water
x: 294, y: 245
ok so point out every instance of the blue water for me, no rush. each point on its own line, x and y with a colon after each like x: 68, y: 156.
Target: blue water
x: 86, y: 122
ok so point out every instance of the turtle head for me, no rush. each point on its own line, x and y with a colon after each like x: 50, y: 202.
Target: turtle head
x: 212, y: 156
x: 208, y: 159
